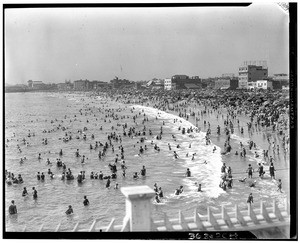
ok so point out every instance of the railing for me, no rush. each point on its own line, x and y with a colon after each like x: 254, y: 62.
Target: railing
x: 138, y: 217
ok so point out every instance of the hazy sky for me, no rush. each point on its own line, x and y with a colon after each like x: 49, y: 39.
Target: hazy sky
x: 55, y: 44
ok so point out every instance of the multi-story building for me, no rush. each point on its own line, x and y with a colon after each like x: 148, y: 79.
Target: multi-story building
x: 264, y: 84
x: 97, y: 84
x: 81, y: 85
x: 35, y: 84
x: 251, y: 73
x: 168, y: 84
x: 281, y: 81
x: 155, y: 84
x: 281, y: 77
x: 185, y: 82
x: 120, y: 83
x: 30, y: 83
x: 226, y: 83
x: 228, y: 75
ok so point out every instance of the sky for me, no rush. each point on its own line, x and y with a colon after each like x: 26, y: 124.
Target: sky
x: 57, y: 44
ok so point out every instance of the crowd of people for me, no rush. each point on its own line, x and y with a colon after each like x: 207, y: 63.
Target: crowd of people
x: 259, y: 108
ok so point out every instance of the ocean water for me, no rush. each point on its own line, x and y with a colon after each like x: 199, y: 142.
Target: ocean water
x: 39, y: 112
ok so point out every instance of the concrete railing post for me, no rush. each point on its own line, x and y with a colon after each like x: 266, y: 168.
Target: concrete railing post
x: 138, y: 207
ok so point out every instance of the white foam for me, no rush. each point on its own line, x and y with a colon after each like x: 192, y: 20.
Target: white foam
x: 206, y: 174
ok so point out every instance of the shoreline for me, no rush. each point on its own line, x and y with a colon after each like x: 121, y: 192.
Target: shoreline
x: 263, y: 132
x: 90, y: 100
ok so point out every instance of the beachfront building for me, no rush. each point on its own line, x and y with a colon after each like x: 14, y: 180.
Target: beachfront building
x: 67, y: 85
x: 35, y: 84
x: 98, y: 84
x: 185, y: 82
x: 16, y: 88
x: 281, y: 77
x: 81, y: 85
x: 168, y: 85
x: 249, y: 73
x: 226, y: 83
x: 280, y: 80
x: 120, y: 83
x: 30, y: 82
x: 228, y: 75
x: 155, y: 84
x: 264, y: 84
x: 85, y: 85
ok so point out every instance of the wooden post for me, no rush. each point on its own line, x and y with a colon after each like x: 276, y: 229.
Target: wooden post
x: 138, y: 207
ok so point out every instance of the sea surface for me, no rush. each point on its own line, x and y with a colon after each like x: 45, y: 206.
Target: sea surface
x: 38, y: 113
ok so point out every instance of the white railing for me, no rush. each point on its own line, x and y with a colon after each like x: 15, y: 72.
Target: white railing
x: 138, y: 217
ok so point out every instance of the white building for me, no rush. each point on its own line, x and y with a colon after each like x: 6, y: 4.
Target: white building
x: 248, y: 74
x: 264, y: 84
x: 168, y: 84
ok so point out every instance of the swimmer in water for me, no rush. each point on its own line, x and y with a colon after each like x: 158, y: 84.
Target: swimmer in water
x: 34, y: 193
x: 279, y: 185
x: 250, y: 171
x: 108, y: 183
x: 70, y: 210
x: 24, y: 193
x: 179, y: 190
x: 199, y: 188
x: 155, y: 188
x: 157, y: 199
x: 12, y: 208
x: 160, y: 192
x: 188, y: 173
x: 250, y: 199
x: 143, y: 171
x: 116, y: 186
x: 86, y: 201
x: 214, y: 149
x: 135, y: 175
x: 252, y: 184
